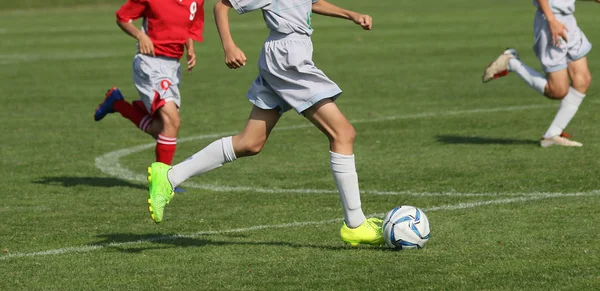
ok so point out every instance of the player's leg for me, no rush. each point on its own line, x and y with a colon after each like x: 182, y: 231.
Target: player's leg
x: 310, y: 92
x: 164, y: 178
x: 509, y: 61
x: 157, y: 80
x: 580, y: 76
x: 166, y: 144
x: 558, y: 84
x: 329, y: 119
x: 161, y: 191
x: 554, y: 85
x: 149, y: 124
x: 570, y: 58
x: 553, y: 59
x: 264, y: 115
x: 115, y: 102
x: 135, y: 111
x: 247, y: 143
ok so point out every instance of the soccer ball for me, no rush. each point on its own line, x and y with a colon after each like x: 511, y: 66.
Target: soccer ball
x: 405, y: 227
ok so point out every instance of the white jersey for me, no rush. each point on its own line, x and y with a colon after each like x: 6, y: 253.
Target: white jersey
x: 565, y: 7
x: 283, y: 16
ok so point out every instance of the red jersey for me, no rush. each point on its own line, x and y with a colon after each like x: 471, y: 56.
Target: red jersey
x: 168, y: 23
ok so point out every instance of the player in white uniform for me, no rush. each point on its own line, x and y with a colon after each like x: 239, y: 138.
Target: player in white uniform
x: 287, y: 79
x: 561, y: 47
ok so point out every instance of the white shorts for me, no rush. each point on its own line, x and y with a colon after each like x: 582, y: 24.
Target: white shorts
x: 556, y: 58
x: 287, y: 77
x: 157, y: 80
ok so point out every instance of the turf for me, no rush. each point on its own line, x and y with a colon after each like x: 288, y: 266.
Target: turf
x: 505, y: 214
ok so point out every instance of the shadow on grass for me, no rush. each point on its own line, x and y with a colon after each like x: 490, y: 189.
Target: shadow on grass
x: 127, y: 242
x: 88, y: 181
x: 456, y: 139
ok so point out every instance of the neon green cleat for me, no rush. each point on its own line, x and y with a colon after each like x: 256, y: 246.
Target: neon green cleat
x: 367, y: 233
x: 161, y: 191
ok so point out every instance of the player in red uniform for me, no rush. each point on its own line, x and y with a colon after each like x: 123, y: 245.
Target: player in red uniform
x: 169, y: 28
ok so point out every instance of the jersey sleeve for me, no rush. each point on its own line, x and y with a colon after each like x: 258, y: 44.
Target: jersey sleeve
x: 198, y: 25
x: 131, y: 10
x: 315, y: 1
x: 243, y: 6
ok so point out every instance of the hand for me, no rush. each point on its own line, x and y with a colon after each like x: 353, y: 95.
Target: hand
x: 235, y: 58
x: 191, y: 60
x: 365, y: 21
x: 146, y: 45
x: 558, y: 30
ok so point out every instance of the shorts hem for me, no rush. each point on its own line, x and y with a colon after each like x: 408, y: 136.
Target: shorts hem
x: 555, y: 68
x: 237, y: 7
x: 315, y: 99
x: 256, y: 101
x: 581, y: 55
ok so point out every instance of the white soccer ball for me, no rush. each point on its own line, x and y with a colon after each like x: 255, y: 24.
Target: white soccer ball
x: 406, y: 227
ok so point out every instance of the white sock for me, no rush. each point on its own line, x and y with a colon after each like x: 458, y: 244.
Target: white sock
x: 568, y: 107
x: 346, y: 179
x: 533, y: 78
x: 211, y: 157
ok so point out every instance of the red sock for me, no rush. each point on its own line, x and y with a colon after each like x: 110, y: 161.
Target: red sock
x: 139, y: 118
x: 165, y: 149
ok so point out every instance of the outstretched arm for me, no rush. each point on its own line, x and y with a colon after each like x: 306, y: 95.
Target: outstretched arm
x: 234, y: 56
x: 325, y: 8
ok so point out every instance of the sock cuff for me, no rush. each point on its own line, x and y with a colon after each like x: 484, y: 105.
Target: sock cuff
x: 166, y: 140
x: 228, y: 152
x: 576, y: 93
x: 342, y: 163
x: 145, y: 122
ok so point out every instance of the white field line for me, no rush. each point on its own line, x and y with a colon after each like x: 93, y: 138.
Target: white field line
x: 109, y: 163
x: 166, y: 238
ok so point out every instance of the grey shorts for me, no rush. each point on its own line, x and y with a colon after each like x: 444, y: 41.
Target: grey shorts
x: 556, y: 58
x: 287, y: 77
x: 157, y: 80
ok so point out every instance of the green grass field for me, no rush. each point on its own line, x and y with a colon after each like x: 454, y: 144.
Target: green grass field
x: 505, y: 214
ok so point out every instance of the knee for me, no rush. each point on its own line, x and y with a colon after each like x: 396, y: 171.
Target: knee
x: 556, y: 92
x: 171, y: 122
x: 587, y: 79
x: 582, y: 82
x: 345, y: 135
x: 245, y: 147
